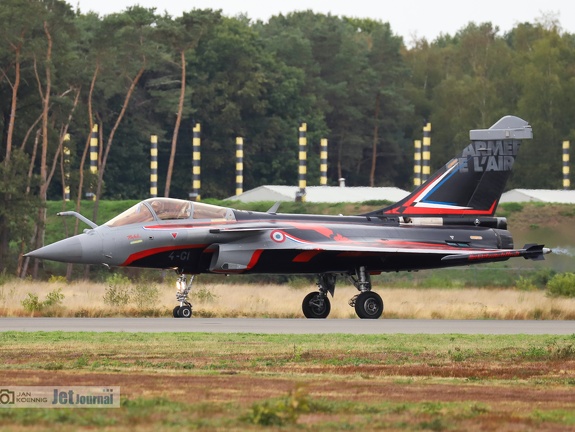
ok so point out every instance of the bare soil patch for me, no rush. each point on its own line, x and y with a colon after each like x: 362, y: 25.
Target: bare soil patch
x: 354, y: 385
x: 245, y: 388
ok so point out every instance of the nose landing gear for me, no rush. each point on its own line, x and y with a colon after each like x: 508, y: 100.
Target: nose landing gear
x: 184, y: 309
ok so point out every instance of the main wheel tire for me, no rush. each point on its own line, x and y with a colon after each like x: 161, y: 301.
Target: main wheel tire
x: 185, y: 312
x: 176, y: 312
x: 368, y: 305
x: 316, y: 305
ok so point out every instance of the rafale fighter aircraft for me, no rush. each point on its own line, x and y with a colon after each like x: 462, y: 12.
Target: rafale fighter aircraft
x: 447, y: 221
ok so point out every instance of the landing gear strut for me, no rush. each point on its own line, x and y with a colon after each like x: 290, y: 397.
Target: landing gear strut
x: 367, y: 304
x: 184, y: 309
x: 316, y: 304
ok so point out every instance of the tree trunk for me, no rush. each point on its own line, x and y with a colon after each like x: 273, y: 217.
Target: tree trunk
x: 4, y: 238
x: 61, y: 139
x: 44, y: 154
x: 111, y: 139
x: 87, y: 146
x: 177, y: 125
x: 339, y: 169
x: 24, y: 270
x: 83, y: 163
x: 375, y: 138
x: 29, y: 132
x: 4, y: 244
x: 14, y: 103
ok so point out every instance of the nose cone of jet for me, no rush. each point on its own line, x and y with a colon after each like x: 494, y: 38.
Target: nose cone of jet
x: 67, y: 250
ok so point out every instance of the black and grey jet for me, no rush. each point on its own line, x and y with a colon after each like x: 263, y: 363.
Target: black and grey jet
x: 448, y: 221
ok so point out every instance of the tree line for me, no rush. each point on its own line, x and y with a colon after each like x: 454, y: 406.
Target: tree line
x: 353, y: 81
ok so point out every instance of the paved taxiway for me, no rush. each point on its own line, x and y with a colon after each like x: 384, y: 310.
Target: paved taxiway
x: 289, y: 326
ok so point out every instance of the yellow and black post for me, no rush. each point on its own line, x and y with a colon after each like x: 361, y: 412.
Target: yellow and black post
x: 93, y: 158
x: 94, y: 150
x: 66, y: 168
x: 239, y: 165
x: 425, y: 169
x: 323, y: 162
x: 302, y: 171
x: 153, y: 166
x: 566, y: 181
x: 417, y: 163
x: 196, y: 159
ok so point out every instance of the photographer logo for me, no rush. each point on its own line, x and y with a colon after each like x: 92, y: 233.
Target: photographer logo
x: 59, y: 397
x: 6, y: 397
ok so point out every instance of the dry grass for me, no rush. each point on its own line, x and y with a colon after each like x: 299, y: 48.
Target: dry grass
x: 86, y: 298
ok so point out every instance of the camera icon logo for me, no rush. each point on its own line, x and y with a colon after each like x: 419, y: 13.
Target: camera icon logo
x: 6, y: 397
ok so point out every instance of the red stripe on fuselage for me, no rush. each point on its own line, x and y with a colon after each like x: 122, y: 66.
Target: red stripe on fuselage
x: 154, y: 251
x: 305, y: 256
x: 313, y: 226
x: 255, y: 258
x: 421, y: 210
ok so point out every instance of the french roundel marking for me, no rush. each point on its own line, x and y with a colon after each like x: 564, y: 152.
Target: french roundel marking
x: 278, y: 236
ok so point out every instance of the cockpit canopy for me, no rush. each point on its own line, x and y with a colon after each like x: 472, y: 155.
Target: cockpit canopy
x: 167, y: 209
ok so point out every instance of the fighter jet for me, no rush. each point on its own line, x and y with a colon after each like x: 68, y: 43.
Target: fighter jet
x: 448, y: 221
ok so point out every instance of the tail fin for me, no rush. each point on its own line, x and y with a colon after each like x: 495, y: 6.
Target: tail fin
x: 472, y: 183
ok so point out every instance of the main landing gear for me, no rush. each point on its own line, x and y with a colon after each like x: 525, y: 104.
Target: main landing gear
x: 184, y: 309
x: 316, y: 304
x: 367, y: 304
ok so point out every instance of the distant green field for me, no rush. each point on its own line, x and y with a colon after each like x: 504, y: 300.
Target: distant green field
x: 231, y: 347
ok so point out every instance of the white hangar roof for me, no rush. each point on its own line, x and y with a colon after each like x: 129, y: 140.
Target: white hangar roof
x: 335, y: 194
x: 325, y: 194
x: 539, y: 195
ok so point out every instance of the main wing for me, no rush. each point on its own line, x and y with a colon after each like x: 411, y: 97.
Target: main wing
x: 279, y: 251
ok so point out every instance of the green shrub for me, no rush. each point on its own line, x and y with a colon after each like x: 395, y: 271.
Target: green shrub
x: 279, y: 412
x: 145, y: 295
x: 33, y: 304
x: 506, y: 209
x: 57, y: 279
x: 561, y: 285
x: 5, y: 277
x: 205, y: 295
x: 118, y: 291
x: 525, y: 284
x: 536, y: 280
x: 54, y: 298
x: 541, y: 277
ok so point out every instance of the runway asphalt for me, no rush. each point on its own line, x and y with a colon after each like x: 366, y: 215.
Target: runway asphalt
x: 289, y: 326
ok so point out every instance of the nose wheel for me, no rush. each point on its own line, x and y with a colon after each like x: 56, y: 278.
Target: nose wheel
x: 184, y: 309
